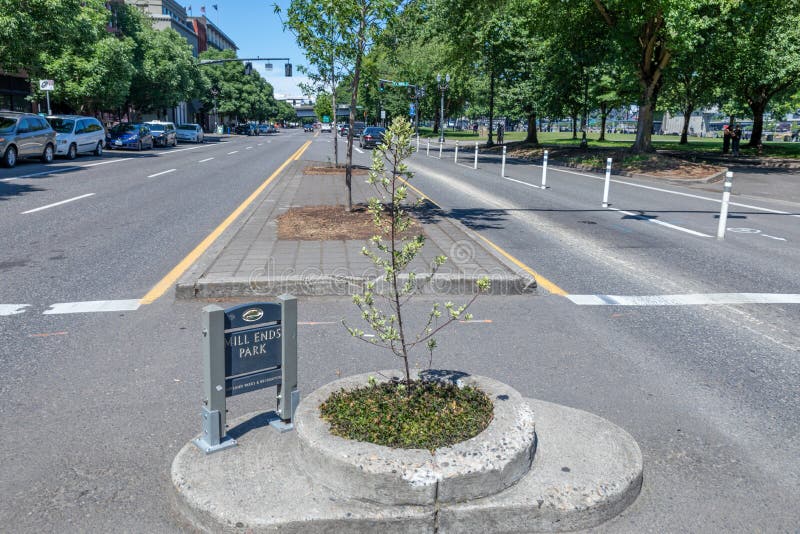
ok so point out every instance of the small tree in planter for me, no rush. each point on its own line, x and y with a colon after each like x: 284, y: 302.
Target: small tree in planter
x: 364, y: 414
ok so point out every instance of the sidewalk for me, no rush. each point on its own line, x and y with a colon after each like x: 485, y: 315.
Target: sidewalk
x: 249, y: 260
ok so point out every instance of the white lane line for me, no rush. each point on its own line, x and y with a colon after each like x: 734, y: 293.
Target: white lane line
x: 234, y: 152
x: 259, y: 144
x: 92, y: 306
x: 12, y: 309
x: 518, y: 181
x: 204, y: 160
x: 358, y: 150
x: 662, y: 223
x: 695, y: 299
x: 54, y: 171
x: 162, y: 172
x: 248, y: 148
x: 671, y: 192
x: 57, y: 203
x: 107, y: 162
x: 176, y: 150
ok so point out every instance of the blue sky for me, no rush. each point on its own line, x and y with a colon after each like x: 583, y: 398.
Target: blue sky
x: 258, y: 32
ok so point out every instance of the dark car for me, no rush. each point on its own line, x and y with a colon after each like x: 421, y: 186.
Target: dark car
x: 130, y: 135
x: 25, y: 135
x: 246, y: 129
x: 358, y: 128
x: 308, y: 127
x: 372, y: 137
x: 164, y: 133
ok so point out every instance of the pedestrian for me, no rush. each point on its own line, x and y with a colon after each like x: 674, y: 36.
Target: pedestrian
x: 736, y: 137
x: 500, y: 133
x: 475, y: 128
x: 726, y: 139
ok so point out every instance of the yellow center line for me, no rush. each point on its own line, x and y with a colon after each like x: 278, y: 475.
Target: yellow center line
x: 541, y: 281
x: 169, y: 280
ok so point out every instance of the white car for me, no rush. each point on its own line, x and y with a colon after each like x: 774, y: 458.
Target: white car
x: 189, y: 132
x: 76, y: 134
x: 326, y: 127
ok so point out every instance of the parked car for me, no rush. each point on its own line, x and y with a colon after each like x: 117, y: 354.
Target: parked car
x: 264, y: 129
x: 246, y: 129
x: 372, y: 137
x: 326, y: 127
x: 130, y: 135
x: 76, y: 134
x: 308, y: 127
x: 164, y: 133
x: 25, y: 135
x: 189, y: 132
x: 272, y: 129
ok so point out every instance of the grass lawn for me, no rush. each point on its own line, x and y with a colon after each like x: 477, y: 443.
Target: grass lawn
x: 780, y: 149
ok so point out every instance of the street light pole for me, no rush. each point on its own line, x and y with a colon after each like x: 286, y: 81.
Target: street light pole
x: 442, y: 87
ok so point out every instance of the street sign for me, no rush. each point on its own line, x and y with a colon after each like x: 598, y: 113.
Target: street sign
x: 412, y: 109
x: 47, y: 85
x: 400, y: 84
x: 383, y: 114
x: 326, y: 119
x: 246, y: 348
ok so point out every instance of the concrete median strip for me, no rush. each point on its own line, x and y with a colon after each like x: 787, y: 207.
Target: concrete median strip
x: 254, y: 262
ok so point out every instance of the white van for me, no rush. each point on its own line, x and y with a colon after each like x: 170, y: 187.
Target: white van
x: 326, y: 127
x: 76, y: 134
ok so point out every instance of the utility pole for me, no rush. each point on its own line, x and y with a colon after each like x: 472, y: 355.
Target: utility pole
x: 442, y: 87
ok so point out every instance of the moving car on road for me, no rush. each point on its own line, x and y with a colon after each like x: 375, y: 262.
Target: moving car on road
x: 325, y: 128
x: 308, y: 127
x: 25, y: 135
x: 130, y: 135
x: 76, y: 134
x: 164, y: 133
x: 189, y: 132
x: 372, y: 137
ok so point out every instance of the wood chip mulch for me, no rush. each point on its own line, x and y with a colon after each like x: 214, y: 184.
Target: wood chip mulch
x: 357, y: 170
x: 331, y: 223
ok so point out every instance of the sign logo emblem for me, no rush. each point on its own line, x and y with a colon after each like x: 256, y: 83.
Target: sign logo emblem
x: 253, y: 314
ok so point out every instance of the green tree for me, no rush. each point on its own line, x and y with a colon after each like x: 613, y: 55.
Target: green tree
x: 760, y: 55
x: 323, y: 107
x: 649, y: 34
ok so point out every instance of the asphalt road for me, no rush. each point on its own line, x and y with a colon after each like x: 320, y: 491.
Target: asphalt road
x: 95, y: 405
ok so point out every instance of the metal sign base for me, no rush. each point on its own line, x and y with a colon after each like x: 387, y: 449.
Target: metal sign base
x: 210, y: 441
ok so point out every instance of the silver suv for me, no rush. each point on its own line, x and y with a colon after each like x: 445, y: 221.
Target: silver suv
x: 25, y: 135
x: 76, y: 134
x: 164, y: 133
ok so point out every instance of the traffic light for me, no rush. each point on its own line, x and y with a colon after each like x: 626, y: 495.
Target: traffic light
x: 380, y: 85
x: 288, y: 70
x: 248, y: 68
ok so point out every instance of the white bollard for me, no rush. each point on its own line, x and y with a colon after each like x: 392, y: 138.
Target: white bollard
x: 455, y: 158
x: 441, y: 144
x: 608, y: 181
x: 723, y: 212
x: 428, y: 148
x: 503, y: 166
x: 475, y: 165
x: 544, y: 171
x: 417, y: 142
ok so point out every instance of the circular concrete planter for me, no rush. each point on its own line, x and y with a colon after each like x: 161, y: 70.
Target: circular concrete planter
x: 480, y: 466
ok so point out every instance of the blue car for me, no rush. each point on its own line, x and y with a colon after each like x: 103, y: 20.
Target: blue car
x: 128, y: 135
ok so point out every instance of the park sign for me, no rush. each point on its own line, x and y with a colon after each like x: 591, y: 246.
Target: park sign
x: 247, y: 348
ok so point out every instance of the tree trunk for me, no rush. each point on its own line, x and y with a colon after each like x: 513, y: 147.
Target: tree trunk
x: 489, y: 142
x: 644, y: 126
x: 353, y: 100
x: 758, y: 122
x: 603, y: 119
x: 574, y: 126
x: 687, y: 115
x: 532, y: 137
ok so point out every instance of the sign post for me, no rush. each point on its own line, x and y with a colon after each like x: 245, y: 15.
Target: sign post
x: 47, y: 86
x: 247, y: 348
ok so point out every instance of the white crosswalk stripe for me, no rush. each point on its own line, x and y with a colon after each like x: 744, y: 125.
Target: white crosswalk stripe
x: 93, y: 306
x: 685, y: 300
x: 12, y: 309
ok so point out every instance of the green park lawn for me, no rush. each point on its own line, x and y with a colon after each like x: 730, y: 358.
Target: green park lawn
x: 780, y: 149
